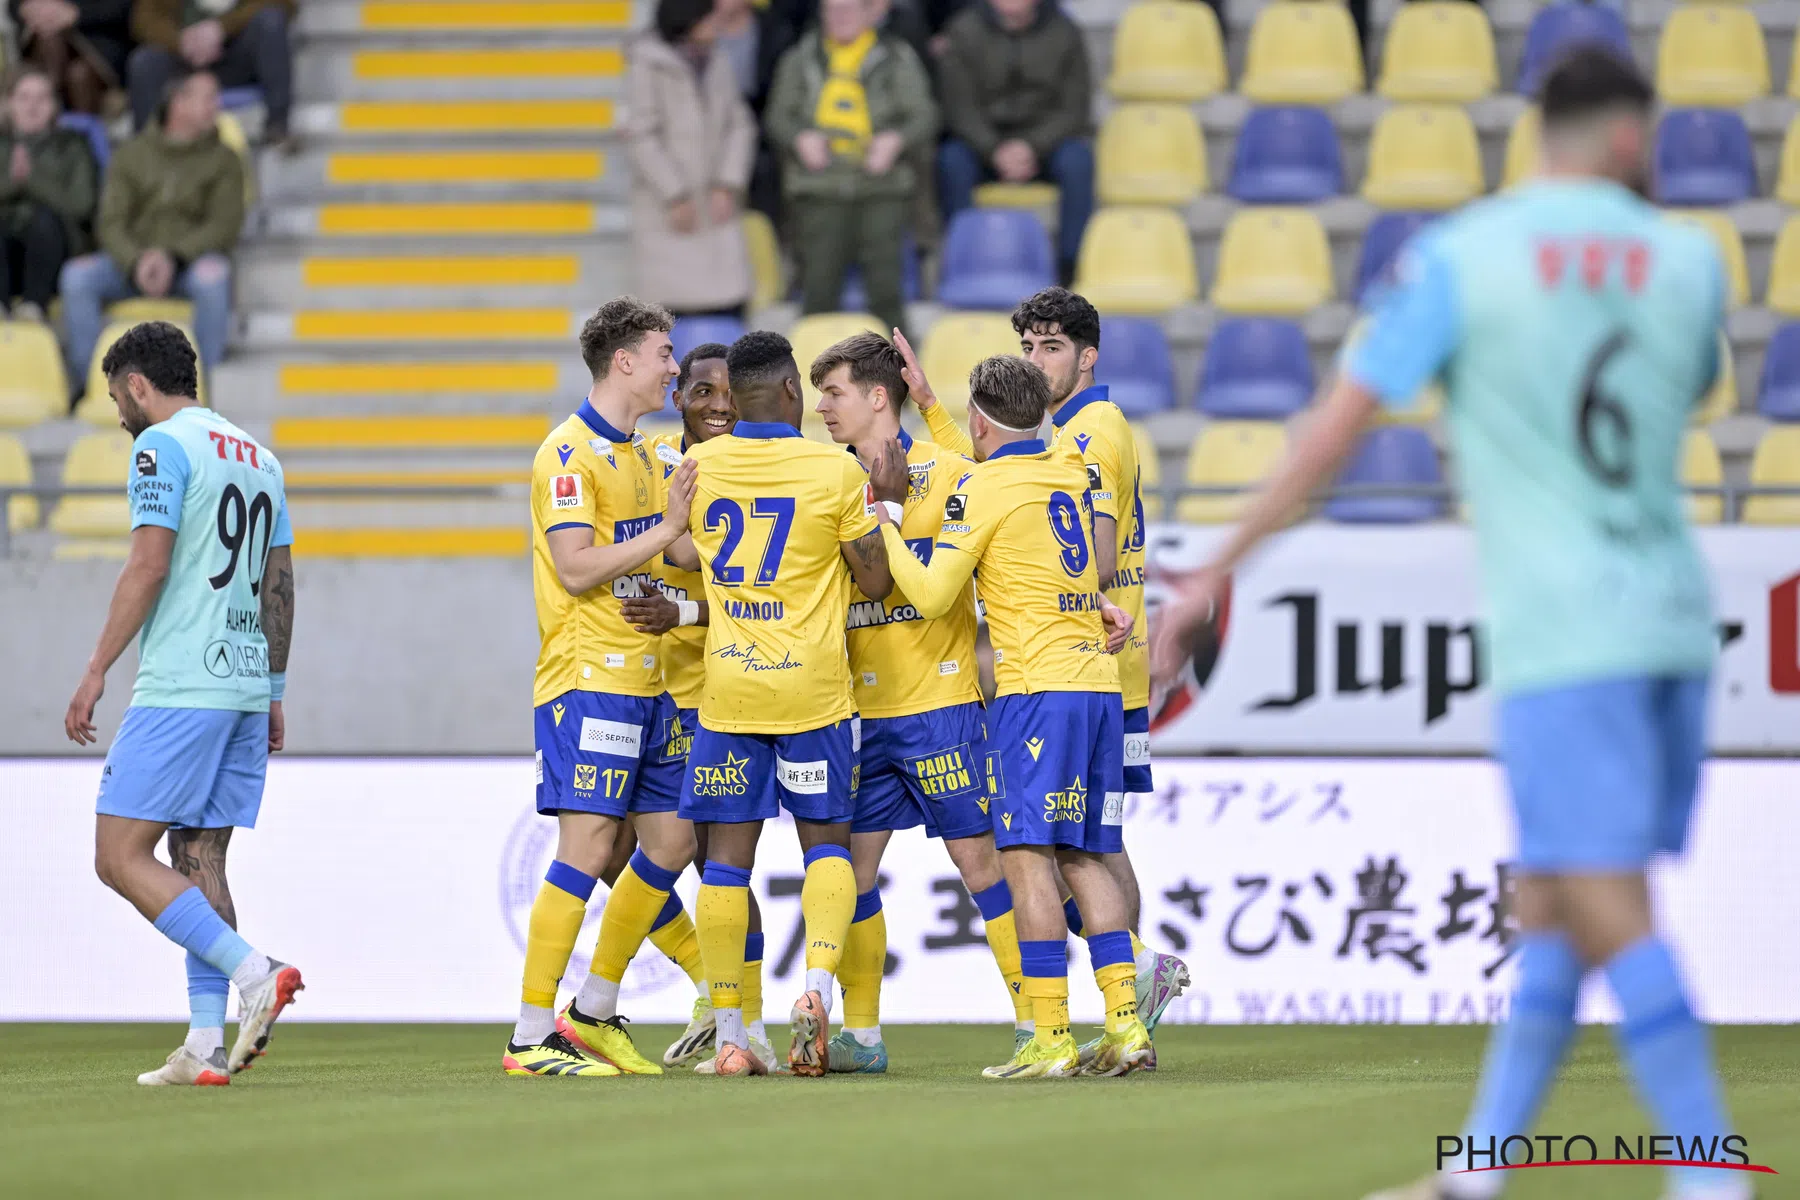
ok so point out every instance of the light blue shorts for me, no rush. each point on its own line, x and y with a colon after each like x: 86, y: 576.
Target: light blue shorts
x: 1603, y: 775
x: 196, y: 768
x: 925, y: 769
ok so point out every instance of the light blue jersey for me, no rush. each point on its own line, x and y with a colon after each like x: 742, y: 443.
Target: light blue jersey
x: 203, y: 645
x: 1574, y: 328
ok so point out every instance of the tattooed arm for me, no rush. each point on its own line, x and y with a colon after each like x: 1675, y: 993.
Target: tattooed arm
x: 277, y: 597
x: 868, y: 559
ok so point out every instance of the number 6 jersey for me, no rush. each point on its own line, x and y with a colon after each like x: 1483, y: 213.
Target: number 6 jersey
x: 202, y: 645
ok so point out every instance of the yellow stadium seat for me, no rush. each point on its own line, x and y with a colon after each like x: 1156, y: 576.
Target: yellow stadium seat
x: 765, y: 259
x: 1521, y: 149
x: 96, y: 407
x: 1793, y: 90
x: 1035, y: 196
x: 1787, y: 185
x: 1427, y: 405
x: 33, y: 386
x: 1167, y: 50
x: 1784, y: 270
x: 1700, y: 467
x: 1423, y: 156
x: 1273, y: 260
x: 1305, y: 52
x: 231, y: 132
x: 811, y: 336
x: 1136, y: 260
x: 100, y: 459
x: 1149, y: 471
x: 15, y: 470
x: 956, y: 342
x: 172, y: 309
x: 1711, y: 54
x: 1229, y: 454
x: 1776, y: 463
x: 1439, y: 50
x: 1151, y: 154
x: 1722, y: 400
x: 1731, y: 247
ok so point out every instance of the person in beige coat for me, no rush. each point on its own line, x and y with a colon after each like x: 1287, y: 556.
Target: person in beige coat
x: 692, y: 143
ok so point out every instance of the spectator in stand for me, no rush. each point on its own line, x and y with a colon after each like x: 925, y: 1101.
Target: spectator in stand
x: 81, y: 44
x: 692, y: 140
x: 847, y: 106
x: 47, y: 190
x: 242, y: 42
x: 170, y: 214
x: 753, y: 39
x: 1017, y: 99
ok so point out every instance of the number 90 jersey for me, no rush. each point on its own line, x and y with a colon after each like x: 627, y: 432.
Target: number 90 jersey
x: 771, y: 510
x: 202, y: 645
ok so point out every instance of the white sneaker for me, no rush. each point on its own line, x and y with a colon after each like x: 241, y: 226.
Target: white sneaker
x: 764, y: 1051
x: 257, y: 1009
x: 701, y: 1034
x: 184, y: 1068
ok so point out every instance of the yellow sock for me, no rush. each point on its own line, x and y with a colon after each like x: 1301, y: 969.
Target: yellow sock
x: 636, y: 901
x: 722, y: 915
x: 1137, y: 945
x: 1049, y: 1006
x: 827, y: 903
x: 1118, y: 989
x: 677, y: 938
x: 752, y: 989
x: 1003, y: 940
x: 865, y: 954
x: 556, y: 917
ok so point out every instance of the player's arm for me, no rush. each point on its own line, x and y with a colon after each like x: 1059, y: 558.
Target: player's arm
x: 658, y: 613
x: 944, y: 429
x: 932, y: 590
x: 277, y: 597
x: 581, y: 565
x: 859, y: 537
x: 871, y: 565
x: 140, y: 583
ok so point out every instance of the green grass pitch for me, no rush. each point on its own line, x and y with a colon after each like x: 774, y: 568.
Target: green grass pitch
x: 1259, y: 1113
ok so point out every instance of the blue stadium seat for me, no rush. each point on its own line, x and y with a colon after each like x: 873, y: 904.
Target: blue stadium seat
x: 1381, y: 245
x: 94, y: 129
x: 1561, y: 26
x: 1135, y: 365
x: 1256, y: 369
x: 1394, y: 455
x: 697, y: 331
x: 1779, y: 396
x: 994, y: 258
x: 1703, y: 156
x: 232, y: 99
x: 1286, y: 155
x: 855, y: 299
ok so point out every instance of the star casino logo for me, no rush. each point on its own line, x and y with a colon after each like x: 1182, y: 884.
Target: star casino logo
x: 1069, y: 805
x: 722, y: 779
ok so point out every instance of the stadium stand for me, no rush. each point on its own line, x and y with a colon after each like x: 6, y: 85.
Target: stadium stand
x: 1393, y: 456
x: 1149, y: 471
x: 1521, y: 148
x: 1273, y: 260
x: 1382, y: 241
x: 1136, y: 260
x: 1150, y: 154
x: 1778, y: 394
x: 15, y: 471
x: 1776, y: 463
x: 1784, y: 270
x: 765, y: 259
x: 1135, y: 365
x: 1167, y: 50
x: 1701, y: 468
x: 955, y: 344
x: 1704, y: 156
x: 993, y: 258
x: 33, y: 384
x: 99, y: 459
x: 1712, y: 54
x: 1286, y: 155
x: 1423, y: 156
x: 1256, y: 369
x: 1303, y: 52
x: 1559, y: 27
x: 1439, y: 50
x: 1228, y: 454
x: 1722, y: 400
x: 697, y: 331
x: 1787, y: 183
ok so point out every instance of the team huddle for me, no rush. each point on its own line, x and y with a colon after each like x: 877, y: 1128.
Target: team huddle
x: 737, y: 621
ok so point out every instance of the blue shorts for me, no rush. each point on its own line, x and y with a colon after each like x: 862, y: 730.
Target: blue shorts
x: 1603, y: 775
x: 1138, y: 780
x: 925, y: 768
x: 604, y: 754
x: 1056, y: 775
x: 196, y: 768
x: 732, y: 778
x: 679, y: 738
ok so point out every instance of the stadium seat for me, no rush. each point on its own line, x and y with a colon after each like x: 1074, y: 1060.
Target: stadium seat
x: 1273, y: 261
x: 1784, y: 270
x: 1389, y: 455
x: 231, y: 132
x: 1731, y: 248
x: 1711, y: 54
x: 33, y: 386
x: 1167, y: 50
x: 1558, y: 28
x: 94, y: 130
x: 1136, y: 260
x: 149, y: 308
x: 1423, y: 156
x: 1439, y: 50
x: 1787, y: 184
x: 15, y: 470
x: 1776, y: 463
x: 1700, y: 467
x: 1256, y: 369
x: 1722, y: 400
x: 1778, y: 398
x: 993, y: 258
x: 1150, y: 154
x: 1237, y: 454
x: 697, y: 331
x: 1286, y: 155
x: 1521, y: 149
x: 810, y: 337
x: 955, y: 343
x: 1135, y: 365
x: 1038, y: 197
x: 1703, y: 156
x: 96, y: 407
x: 1304, y: 52
x: 1149, y: 471
x: 100, y: 459
x: 1382, y: 241
x: 854, y: 298
x: 765, y: 259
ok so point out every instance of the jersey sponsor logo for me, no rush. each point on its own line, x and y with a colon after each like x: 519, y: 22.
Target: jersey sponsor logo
x: 1114, y: 811
x: 1093, y: 474
x: 722, y: 779
x: 611, y: 737
x: 1036, y: 746
x: 956, y: 507
x: 868, y: 677
x: 755, y: 610
x: 867, y: 614
x: 995, y: 771
x: 649, y: 662
x: 603, y: 449
x: 565, y: 491
x: 954, y: 527
x: 586, y: 775
x: 540, y: 768
x: 803, y: 778
x: 632, y: 527
x: 868, y: 499
x: 753, y: 660
x: 615, y: 660
x: 1137, y: 749
x: 677, y: 739
x: 668, y: 454
x: 946, y: 772
x: 563, y: 451
x: 1069, y: 804
x: 631, y: 587
x: 949, y: 668
x: 220, y: 659
x: 146, y: 462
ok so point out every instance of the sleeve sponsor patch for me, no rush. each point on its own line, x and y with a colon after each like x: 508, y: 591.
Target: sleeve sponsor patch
x: 956, y: 507
x: 869, y: 499
x: 668, y: 454
x: 146, y: 463
x: 1093, y: 473
x: 803, y: 778
x: 565, y: 491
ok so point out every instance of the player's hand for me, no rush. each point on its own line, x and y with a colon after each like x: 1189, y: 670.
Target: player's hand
x: 655, y: 613
x: 78, y: 722
x: 277, y: 726
x: 916, y: 385
x: 682, y: 486
x: 888, y: 476
x: 684, y: 216
x: 1118, y: 626
x: 1192, y: 606
x: 813, y: 149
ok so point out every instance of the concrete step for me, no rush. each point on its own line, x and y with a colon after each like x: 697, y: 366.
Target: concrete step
x: 491, y: 111
x: 280, y: 276
x: 563, y: 70
x: 408, y: 21
x: 421, y: 175
x: 343, y: 223
x: 501, y: 433
x: 415, y: 327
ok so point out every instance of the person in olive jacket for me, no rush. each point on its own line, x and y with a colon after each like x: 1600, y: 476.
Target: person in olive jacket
x: 46, y: 195
x: 847, y: 106
x: 243, y: 42
x: 170, y: 214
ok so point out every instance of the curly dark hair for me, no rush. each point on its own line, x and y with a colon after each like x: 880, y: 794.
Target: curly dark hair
x: 619, y: 325
x: 161, y: 353
x: 872, y: 360
x: 1058, y: 309
x: 760, y: 357
x: 701, y: 353
x: 1011, y: 391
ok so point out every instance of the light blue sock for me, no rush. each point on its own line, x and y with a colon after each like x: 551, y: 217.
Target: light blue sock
x: 191, y: 923
x: 208, y: 990
x: 1524, y: 1053
x: 1668, y: 1051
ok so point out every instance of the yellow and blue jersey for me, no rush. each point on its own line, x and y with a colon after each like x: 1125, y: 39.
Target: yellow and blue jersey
x: 684, y: 647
